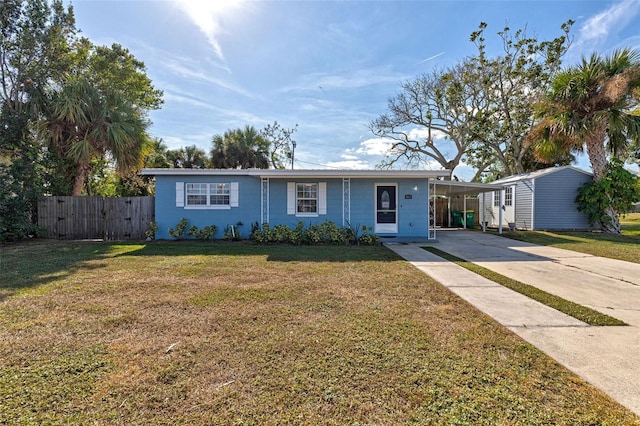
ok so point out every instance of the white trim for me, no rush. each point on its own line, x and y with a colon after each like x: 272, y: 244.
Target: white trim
x: 533, y: 205
x: 291, y: 198
x: 179, y: 194
x: 300, y: 174
x: 384, y: 228
x: 264, y: 201
x: 234, y: 194
x: 346, y: 202
x: 322, y: 198
x: 221, y: 207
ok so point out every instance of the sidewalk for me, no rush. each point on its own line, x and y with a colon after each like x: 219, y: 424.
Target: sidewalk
x: 607, y: 357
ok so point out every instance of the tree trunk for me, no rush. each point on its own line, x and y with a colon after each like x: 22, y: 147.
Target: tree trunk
x: 78, y: 181
x: 598, y: 159
x: 597, y: 153
x: 614, y: 226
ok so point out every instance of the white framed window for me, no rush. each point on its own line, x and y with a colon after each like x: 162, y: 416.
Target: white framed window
x: 197, y: 194
x: 496, y: 199
x: 223, y: 195
x: 508, y: 196
x: 307, y: 199
x: 219, y: 194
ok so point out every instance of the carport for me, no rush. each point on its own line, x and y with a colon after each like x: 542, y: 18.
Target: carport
x: 440, y: 188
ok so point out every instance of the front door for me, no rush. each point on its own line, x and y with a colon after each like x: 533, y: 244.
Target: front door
x: 386, y: 209
x: 509, y: 205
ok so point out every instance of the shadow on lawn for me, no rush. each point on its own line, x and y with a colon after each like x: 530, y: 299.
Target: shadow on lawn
x: 274, y: 253
x: 561, y: 238
x: 34, y: 263
x: 30, y: 264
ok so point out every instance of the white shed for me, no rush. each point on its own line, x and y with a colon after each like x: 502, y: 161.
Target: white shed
x: 540, y: 200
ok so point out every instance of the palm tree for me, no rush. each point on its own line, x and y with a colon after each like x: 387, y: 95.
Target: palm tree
x: 156, y: 156
x: 189, y: 157
x: 589, y: 108
x: 84, y: 123
x: 241, y: 148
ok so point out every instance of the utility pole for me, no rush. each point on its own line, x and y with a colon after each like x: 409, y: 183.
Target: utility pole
x: 293, y: 151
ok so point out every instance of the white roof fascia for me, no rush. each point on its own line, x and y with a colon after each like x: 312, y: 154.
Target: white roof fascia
x: 538, y: 173
x: 281, y: 173
x: 352, y: 173
x: 450, y: 188
x: 194, y: 172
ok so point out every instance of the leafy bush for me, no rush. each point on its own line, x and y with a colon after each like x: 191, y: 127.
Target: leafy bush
x: 152, y: 231
x: 232, y: 233
x: 617, y: 190
x: 181, y: 226
x: 325, y: 233
x: 367, y: 239
x: 203, y: 234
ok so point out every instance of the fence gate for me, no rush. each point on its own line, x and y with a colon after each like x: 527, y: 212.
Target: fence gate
x: 76, y: 218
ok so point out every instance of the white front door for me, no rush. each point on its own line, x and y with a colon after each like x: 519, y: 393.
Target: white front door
x: 386, y: 206
x: 509, y: 214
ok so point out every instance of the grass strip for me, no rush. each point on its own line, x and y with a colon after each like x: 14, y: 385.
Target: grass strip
x: 575, y: 310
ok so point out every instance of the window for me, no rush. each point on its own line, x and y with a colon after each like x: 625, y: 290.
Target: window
x: 219, y: 194
x: 197, y: 194
x: 508, y: 196
x: 307, y: 198
x: 211, y: 195
x: 496, y: 199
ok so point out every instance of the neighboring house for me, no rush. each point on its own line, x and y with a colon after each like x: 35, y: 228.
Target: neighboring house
x: 395, y: 203
x: 540, y: 200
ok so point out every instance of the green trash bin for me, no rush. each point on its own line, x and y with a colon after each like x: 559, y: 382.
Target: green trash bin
x: 457, y: 218
x: 471, y: 217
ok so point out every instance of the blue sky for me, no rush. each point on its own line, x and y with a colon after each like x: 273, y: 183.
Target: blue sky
x: 328, y: 66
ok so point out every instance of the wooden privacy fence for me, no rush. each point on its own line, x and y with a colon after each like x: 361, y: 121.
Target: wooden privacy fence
x: 78, y: 218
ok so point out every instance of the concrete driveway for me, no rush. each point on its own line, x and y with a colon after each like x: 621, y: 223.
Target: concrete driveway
x: 607, y: 357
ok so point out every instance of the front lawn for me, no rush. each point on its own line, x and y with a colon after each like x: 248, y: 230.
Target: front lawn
x: 219, y: 333
x: 623, y: 247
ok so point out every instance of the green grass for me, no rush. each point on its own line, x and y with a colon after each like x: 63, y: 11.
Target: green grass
x: 623, y: 247
x: 575, y: 310
x: 225, y: 333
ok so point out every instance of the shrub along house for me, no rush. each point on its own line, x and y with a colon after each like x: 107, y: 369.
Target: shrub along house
x: 394, y: 203
x: 540, y: 200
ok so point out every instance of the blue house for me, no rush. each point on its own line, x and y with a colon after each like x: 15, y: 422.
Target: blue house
x: 395, y: 203
x: 539, y: 200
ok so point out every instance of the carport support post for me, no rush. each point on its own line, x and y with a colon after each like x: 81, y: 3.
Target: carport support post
x: 464, y: 211
x: 500, y: 214
x: 484, y: 209
x: 448, y: 211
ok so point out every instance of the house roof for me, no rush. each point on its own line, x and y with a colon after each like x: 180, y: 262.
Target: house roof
x: 537, y: 173
x: 302, y: 173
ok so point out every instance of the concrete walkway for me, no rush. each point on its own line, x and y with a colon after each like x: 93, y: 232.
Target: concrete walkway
x: 607, y: 357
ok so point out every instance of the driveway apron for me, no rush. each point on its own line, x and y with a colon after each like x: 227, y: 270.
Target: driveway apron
x: 606, y: 357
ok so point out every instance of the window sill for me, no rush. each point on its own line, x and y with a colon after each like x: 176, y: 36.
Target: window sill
x: 207, y: 207
x: 307, y: 215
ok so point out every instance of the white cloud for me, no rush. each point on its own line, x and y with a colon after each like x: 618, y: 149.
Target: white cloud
x: 350, y: 165
x: 422, y: 133
x: 597, y: 29
x: 322, y: 82
x: 347, y: 156
x: 207, y: 15
x: 186, y: 99
x: 374, y: 146
x: 182, y: 68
